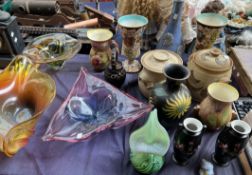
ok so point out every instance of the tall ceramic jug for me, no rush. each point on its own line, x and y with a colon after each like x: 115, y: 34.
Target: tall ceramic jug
x: 187, y: 139
x: 231, y: 141
x: 100, y: 53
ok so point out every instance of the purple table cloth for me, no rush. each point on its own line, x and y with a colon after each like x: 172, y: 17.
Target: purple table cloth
x: 105, y: 154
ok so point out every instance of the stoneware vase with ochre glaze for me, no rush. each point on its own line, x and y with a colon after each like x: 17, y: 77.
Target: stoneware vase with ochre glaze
x: 216, y: 109
x: 231, y: 141
x: 172, y: 98
x: 187, y: 140
x: 152, y: 73
x: 100, y: 53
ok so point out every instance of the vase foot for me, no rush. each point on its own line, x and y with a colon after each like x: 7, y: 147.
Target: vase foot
x: 178, y: 162
x: 217, y: 163
x: 132, y: 66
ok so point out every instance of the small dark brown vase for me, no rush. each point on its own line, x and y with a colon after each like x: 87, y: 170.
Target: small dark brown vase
x: 115, y: 74
x: 231, y: 141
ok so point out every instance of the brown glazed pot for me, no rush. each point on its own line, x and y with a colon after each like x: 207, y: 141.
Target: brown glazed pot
x: 207, y: 66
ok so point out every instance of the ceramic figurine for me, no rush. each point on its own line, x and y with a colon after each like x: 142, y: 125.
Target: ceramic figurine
x: 187, y: 139
x: 100, y: 53
x: 206, y: 168
x: 231, y: 141
x: 209, y: 26
x: 207, y: 66
x: 148, y: 145
x: 132, y: 29
x: 172, y: 98
x: 114, y: 73
x: 216, y: 109
x: 152, y: 72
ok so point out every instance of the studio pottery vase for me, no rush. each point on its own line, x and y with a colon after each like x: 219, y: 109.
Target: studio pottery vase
x: 148, y: 146
x: 231, y: 141
x: 216, y: 109
x: 187, y: 139
x: 172, y: 98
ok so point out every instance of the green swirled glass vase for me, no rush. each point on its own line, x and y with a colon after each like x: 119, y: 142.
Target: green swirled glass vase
x: 148, y: 146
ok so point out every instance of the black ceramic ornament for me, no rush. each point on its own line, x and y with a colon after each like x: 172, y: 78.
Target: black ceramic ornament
x: 115, y: 74
x: 187, y: 140
x: 231, y: 141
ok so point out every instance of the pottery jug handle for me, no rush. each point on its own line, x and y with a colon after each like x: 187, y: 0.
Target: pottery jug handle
x: 115, y: 45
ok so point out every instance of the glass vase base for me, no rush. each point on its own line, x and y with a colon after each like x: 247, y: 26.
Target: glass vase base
x: 217, y: 163
x: 132, y: 66
x: 178, y: 162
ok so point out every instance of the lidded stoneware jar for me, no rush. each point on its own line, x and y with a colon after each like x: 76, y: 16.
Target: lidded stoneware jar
x: 152, y: 73
x: 207, y: 66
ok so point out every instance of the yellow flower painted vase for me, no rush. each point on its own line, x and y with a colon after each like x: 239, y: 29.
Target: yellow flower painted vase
x: 172, y: 98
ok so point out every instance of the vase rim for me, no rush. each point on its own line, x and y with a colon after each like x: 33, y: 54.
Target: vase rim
x: 241, y: 127
x: 178, y: 67
x: 193, y: 125
x: 99, y: 35
x: 223, y: 92
x: 132, y: 21
x: 212, y: 19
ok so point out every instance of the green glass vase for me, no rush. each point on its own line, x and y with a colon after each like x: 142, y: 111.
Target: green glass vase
x: 148, y: 145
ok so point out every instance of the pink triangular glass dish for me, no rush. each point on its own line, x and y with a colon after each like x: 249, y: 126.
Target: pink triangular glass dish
x: 91, y: 107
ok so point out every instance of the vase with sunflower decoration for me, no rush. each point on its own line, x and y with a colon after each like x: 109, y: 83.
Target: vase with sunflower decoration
x: 172, y: 98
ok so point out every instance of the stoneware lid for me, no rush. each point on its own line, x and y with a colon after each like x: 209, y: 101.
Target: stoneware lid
x: 132, y: 21
x: 99, y: 35
x: 223, y: 92
x: 213, y: 60
x: 155, y: 60
x: 212, y: 19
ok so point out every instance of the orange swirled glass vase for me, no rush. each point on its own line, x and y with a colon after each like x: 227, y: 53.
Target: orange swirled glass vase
x: 25, y: 92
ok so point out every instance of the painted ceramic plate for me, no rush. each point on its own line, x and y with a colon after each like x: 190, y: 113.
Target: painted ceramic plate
x: 132, y: 21
x: 91, y: 107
